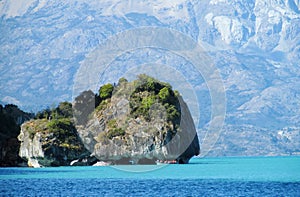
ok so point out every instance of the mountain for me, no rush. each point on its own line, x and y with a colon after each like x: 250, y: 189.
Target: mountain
x: 45, y: 46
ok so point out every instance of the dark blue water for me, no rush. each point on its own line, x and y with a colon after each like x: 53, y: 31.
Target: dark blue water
x: 277, y: 176
x: 148, y: 187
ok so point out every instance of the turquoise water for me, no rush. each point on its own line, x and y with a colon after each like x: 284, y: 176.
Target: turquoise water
x: 255, y: 176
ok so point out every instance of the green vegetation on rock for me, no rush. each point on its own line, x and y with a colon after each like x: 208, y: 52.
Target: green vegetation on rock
x: 164, y: 94
x: 105, y: 91
x: 65, y: 132
x: 114, y: 132
x: 55, y: 130
x: 149, y: 91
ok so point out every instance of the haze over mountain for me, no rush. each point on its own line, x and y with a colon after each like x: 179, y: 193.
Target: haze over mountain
x: 254, y: 44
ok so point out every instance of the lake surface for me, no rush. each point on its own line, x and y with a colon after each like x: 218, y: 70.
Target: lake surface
x: 238, y: 176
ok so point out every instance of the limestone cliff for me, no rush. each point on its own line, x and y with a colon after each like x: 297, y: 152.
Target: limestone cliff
x: 139, y: 122
x: 50, y: 142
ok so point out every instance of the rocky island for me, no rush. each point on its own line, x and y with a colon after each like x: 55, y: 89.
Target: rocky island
x: 138, y: 122
x: 51, y: 139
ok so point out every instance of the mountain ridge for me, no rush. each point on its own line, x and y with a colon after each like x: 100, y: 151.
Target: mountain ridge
x: 254, y: 44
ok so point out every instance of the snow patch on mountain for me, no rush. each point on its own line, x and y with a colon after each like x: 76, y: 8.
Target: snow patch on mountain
x: 231, y: 30
x: 164, y: 10
x: 255, y: 45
